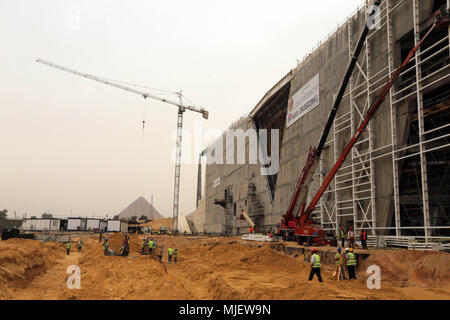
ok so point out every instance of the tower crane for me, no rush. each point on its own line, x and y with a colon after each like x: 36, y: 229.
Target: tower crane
x: 181, y: 109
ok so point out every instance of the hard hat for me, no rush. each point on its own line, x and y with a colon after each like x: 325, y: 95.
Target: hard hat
x: 176, y: 249
x: 351, y: 228
x: 339, y: 249
x: 347, y: 249
x: 313, y: 250
x: 351, y: 249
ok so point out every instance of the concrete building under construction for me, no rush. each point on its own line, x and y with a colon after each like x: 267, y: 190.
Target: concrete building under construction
x: 396, y: 179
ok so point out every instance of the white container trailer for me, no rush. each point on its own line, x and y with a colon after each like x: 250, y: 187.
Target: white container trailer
x: 116, y: 226
x: 41, y: 224
x: 54, y: 225
x: 92, y: 224
x: 74, y: 224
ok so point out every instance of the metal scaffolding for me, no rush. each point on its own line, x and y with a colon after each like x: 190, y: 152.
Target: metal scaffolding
x: 352, y: 197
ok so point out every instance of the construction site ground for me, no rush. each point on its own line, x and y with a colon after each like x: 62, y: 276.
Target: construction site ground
x: 209, y: 268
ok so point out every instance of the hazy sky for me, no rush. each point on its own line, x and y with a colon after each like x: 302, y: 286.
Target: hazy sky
x: 68, y: 144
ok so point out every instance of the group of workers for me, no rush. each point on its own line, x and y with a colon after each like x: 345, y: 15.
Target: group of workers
x: 350, y: 237
x: 69, y: 246
x: 342, y: 260
x: 151, y: 245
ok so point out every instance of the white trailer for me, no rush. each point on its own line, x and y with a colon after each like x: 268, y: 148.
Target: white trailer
x: 54, y: 225
x: 41, y: 224
x: 74, y: 224
x: 92, y: 224
x: 114, y: 226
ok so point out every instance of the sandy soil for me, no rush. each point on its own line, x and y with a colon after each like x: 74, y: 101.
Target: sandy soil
x: 157, y: 223
x: 208, y: 268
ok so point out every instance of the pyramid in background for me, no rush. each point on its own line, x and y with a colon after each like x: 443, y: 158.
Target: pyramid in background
x: 140, y: 207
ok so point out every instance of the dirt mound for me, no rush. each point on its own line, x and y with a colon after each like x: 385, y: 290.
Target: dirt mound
x: 412, y: 268
x: 157, y: 223
x: 21, y: 260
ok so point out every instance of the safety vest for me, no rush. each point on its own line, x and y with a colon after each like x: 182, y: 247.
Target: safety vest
x: 351, y: 259
x: 170, y: 251
x: 143, y: 245
x: 364, y: 235
x: 316, y: 260
x: 106, y: 244
x: 68, y: 245
x: 175, y: 254
x: 337, y: 258
x: 150, y: 244
x: 342, y: 235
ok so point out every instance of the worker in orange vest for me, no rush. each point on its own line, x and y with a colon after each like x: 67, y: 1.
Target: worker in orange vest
x: 363, y: 237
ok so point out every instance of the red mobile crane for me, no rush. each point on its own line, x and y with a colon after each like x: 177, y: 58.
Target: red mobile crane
x: 301, y: 227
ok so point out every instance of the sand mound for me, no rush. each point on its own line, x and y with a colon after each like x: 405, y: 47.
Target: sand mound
x: 157, y: 223
x: 21, y: 260
x: 412, y: 268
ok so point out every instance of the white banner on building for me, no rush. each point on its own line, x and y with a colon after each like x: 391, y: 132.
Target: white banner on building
x: 216, y: 182
x: 303, y: 101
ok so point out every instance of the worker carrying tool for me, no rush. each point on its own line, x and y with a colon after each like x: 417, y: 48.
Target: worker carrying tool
x: 80, y: 245
x: 351, y: 238
x: 342, y: 236
x: 68, y: 245
x: 315, y: 266
x: 363, y: 238
x: 339, y: 261
x: 170, y: 253
x: 175, y: 255
x: 350, y: 261
x: 150, y: 246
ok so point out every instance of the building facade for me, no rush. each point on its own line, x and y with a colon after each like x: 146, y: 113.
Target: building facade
x: 396, y: 179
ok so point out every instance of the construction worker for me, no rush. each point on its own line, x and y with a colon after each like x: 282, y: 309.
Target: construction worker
x: 339, y: 260
x: 351, y: 238
x: 342, y: 236
x: 144, y: 243
x: 175, y: 255
x: 350, y: 261
x: 105, y: 245
x: 80, y: 245
x: 363, y: 238
x: 315, y: 266
x: 150, y: 246
x: 68, y: 245
x: 170, y: 253
x: 100, y: 238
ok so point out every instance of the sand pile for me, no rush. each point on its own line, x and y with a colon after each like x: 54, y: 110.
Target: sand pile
x: 157, y: 223
x: 21, y: 260
x: 412, y: 268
